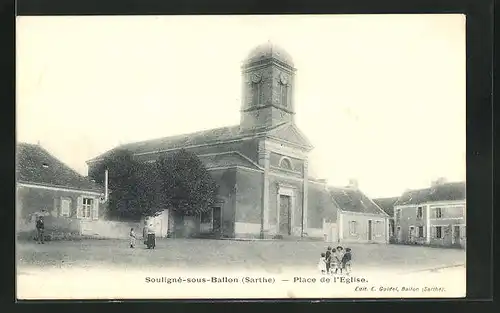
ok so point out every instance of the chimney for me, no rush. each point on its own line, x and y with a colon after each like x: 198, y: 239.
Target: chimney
x: 438, y: 182
x: 106, y: 185
x: 353, y: 183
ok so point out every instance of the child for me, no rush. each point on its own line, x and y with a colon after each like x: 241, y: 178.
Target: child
x: 328, y: 258
x: 346, y: 260
x: 322, y: 264
x: 337, y: 259
x: 132, y: 238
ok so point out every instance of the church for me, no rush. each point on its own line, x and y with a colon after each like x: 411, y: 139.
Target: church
x: 261, y: 167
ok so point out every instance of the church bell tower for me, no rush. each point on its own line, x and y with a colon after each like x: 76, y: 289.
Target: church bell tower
x: 268, y: 76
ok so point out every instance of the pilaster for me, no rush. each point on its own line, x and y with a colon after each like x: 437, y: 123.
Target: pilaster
x: 305, y: 197
x: 264, y: 161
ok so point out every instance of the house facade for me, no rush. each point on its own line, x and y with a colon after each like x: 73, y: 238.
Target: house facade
x: 359, y: 218
x: 46, y: 186
x: 432, y: 216
x: 260, y: 165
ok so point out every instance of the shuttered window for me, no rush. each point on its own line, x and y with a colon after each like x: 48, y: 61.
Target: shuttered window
x: 353, y: 227
x: 65, y: 207
x: 87, y: 208
x: 95, y: 209
x: 79, y: 207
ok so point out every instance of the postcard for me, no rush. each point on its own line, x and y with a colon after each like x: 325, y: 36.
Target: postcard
x: 240, y: 157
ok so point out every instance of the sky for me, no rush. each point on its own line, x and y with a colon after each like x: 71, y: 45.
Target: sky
x: 381, y: 97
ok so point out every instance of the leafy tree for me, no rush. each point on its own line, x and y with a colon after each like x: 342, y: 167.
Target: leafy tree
x: 132, y: 186
x: 148, y: 201
x: 185, y: 185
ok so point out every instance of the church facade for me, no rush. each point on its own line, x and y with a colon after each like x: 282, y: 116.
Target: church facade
x: 260, y: 165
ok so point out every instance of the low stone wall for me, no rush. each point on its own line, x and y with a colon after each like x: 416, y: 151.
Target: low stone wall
x: 110, y: 229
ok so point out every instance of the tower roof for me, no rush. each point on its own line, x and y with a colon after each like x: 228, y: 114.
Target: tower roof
x: 269, y: 50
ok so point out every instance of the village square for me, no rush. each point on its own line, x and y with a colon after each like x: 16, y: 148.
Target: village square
x: 236, y: 197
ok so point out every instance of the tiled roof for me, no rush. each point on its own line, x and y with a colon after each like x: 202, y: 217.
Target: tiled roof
x: 453, y: 191
x: 179, y: 141
x: 386, y: 204
x: 229, y: 159
x: 353, y: 200
x: 220, y: 134
x: 37, y: 166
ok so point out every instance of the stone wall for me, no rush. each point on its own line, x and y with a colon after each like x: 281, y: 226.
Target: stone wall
x: 248, y: 208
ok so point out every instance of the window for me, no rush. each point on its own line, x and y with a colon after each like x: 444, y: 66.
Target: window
x: 285, y: 163
x: 439, y: 232
x: 397, y: 214
x: 352, y: 227
x: 284, y: 95
x: 438, y: 213
x: 65, y: 207
x: 420, y: 231
x: 87, y: 207
x: 419, y: 213
x: 256, y: 93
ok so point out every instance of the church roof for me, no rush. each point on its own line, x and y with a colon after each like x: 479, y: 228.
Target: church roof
x: 453, y: 191
x: 35, y: 165
x: 209, y: 136
x: 179, y: 141
x: 353, y: 200
x: 229, y: 159
x: 269, y: 50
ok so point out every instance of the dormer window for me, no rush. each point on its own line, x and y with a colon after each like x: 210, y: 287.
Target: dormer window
x: 45, y: 165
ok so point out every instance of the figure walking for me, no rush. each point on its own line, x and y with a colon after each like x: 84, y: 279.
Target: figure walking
x: 40, y: 227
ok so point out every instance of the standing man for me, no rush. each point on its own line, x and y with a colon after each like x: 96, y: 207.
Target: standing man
x: 40, y: 227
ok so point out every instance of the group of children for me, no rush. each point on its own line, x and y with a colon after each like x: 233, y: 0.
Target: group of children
x: 335, y: 261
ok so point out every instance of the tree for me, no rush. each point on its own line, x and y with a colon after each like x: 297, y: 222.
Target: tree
x: 133, y: 186
x: 185, y: 185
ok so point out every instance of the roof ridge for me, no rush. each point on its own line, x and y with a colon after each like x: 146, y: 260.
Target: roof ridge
x: 179, y: 135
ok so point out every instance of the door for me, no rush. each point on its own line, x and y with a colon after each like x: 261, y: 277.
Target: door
x: 399, y: 234
x: 370, y: 230
x: 456, y: 234
x: 284, y: 226
x: 217, y: 220
x: 411, y: 234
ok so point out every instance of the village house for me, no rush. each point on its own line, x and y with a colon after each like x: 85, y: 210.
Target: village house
x: 432, y: 216
x: 46, y: 186
x: 262, y: 167
x: 360, y: 219
x: 387, y: 204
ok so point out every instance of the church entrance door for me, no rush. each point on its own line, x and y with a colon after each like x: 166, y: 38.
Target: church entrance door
x: 285, y: 215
